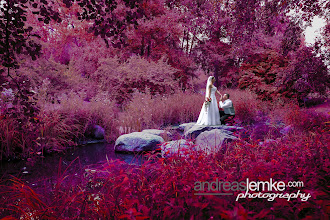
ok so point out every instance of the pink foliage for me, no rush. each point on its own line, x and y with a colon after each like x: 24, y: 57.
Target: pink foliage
x: 271, y: 75
x: 123, y: 65
x: 122, y: 79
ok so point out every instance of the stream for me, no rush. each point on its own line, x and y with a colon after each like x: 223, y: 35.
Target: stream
x: 45, y: 169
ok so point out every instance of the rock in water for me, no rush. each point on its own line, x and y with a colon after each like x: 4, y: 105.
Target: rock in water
x: 137, y: 142
x: 94, y: 132
x: 98, y: 132
x: 212, y: 141
x: 180, y: 147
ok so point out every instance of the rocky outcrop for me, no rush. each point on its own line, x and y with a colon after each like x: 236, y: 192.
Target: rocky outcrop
x: 203, y: 138
x: 161, y: 133
x: 186, y: 126
x: 192, y: 130
x: 137, y: 142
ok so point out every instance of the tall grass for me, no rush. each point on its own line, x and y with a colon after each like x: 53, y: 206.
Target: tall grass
x: 145, y: 111
x: 10, y: 137
x: 58, y: 127
x: 247, y: 106
x: 16, y: 140
x: 57, y: 131
x: 63, y: 125
x: 82, y: 115
x: 306, y: 120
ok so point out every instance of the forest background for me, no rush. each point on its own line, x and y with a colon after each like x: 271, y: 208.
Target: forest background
x: 126, y: 65
x: 101, y: 54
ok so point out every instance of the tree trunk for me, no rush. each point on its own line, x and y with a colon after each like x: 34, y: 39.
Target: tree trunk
x: 142, y: 47
x: 217, y: 73
x: 192, y: 43
x: 149, y: 48
x: 187, y: 46
x: 184, y: 34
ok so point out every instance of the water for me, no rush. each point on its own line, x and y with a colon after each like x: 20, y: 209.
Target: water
x: 74, y: 162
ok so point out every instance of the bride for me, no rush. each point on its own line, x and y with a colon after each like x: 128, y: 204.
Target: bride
x: 209, y: 114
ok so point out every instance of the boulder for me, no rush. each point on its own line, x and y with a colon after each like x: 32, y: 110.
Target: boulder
x: 193, y: 131
x: 186, y: 126
x: 161, y: 133
x: 98, y: 132
x: 213, y: 141
x: 180, y: 147
x: 137, y: 142
x: 94, y: 132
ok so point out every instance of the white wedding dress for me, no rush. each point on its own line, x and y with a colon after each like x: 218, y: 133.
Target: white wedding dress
x: 210, y: 115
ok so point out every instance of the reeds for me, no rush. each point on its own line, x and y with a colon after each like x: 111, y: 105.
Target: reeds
x: 146, y: 111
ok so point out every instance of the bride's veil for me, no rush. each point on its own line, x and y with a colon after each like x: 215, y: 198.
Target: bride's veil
x: 209, y: 81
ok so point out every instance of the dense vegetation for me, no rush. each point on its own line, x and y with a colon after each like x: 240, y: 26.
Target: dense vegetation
x: 129, y: 65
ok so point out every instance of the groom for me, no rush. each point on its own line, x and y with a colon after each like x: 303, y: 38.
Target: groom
x: 228, y: 108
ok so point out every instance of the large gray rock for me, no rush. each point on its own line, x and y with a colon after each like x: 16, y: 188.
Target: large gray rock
x: 186, y: 126
x: 137, y: 142
x: 212, y: 141
x: 161, y: 133
x: 180, y: 147
x: 192, y: 131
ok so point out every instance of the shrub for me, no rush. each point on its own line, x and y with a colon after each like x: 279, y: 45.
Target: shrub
x: 259, y: 73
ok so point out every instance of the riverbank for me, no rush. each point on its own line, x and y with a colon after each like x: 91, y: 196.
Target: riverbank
x: 167, y: 187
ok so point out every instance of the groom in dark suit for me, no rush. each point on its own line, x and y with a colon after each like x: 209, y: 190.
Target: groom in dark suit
x: 228, y: 108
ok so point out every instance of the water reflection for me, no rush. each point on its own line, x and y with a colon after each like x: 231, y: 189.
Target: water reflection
x: 74, y: 162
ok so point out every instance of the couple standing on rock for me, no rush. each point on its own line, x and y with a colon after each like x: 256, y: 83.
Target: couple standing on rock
x: 210, y: 114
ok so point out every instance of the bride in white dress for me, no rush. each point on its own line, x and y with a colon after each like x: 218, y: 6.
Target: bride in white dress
x: 209, y: 114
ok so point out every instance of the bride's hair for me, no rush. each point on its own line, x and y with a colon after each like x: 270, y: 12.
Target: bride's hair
x: 209, y: 81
